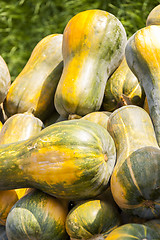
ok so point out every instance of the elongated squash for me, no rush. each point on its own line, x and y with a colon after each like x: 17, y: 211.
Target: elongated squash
x: 5, y: 79
x: 135, y: 180
x: 122, y: 88
x: 93, y: 47
x: 18, y: 127
x: 132, y: 231
x: 70, y: 159
x: 92, y: 218
x: 35, y: 86
x: 143, y: 58
x: 37, y: 216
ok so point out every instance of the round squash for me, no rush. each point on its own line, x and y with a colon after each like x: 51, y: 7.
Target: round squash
x: 5, y: 79
x: 35, y: 86
x: 134, y: 186
x: 154, y: 16
x: 93, y: 46
x: 122, y: 88
x: 133, y: 231
x: 143, y: 57
x: 69, y: 159
x: 92, y: 218
x: 18, y: 127
x: 37, y: 216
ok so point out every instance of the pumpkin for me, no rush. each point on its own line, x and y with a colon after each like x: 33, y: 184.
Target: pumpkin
x: 93, y: 46
x: 134, y: 187
x: 5, y: 79
x: 154, y: 16
x: 69, y: 159
x: 143, y: 57
x: 37, y: 216
x: 35, y: 86
x: 122, y: 88
x: 18, y: 127
x: 132, y: 231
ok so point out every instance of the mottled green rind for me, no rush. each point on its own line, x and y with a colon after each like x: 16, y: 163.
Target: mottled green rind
x: 88, y: 140
x: 28, y: 219
x: 132, y: 231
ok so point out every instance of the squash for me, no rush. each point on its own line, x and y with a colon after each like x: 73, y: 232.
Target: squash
x: 5, y: 79
x: 143, y: 57
x: 92, y: 218
x: 134, y: 187
x: 3, y: 235
x: 18, y: 127
x: 132, y: 231
x: 93, y: 46
x: 154, y: 16
x: 154, y: 224
x: 37, y: 216
x: 35, y: 86
x: 69, y: 159
x: 122, y: 88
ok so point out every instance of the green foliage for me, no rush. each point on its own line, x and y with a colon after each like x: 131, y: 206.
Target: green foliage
x: 23, y: 23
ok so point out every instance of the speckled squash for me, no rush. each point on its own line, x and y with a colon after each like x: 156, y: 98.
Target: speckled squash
x: 70, y: 159
x: 5, y: 79
x: 135, y: 188
x: 92, y: 218
x: 143, y: 58
x: 93, y: 47
x: 133, y: 231
x: 37, y: 216
x: 35, y: 86
x: 154, y: 16
x: 18, y: 127
x: 122, y: 88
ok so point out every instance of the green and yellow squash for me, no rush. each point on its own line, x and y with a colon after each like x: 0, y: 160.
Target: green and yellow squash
x: 37, y: 216
x: 5, y: 79
x: 122, y: 88
x: 135, y: 182
x: 133, y: 231
x: 18, y: 127
x: 69, y: 159
x: 35, y: 86
x: 143, y: 58
x: 93, y: 47
x: 154, y: 224
x: 92, y: 218
x: 154, y: 16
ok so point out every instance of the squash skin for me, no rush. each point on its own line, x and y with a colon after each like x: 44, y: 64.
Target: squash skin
x: 37, y: 216
x: 122, y: 88
x: 35, y: 86
x: 154, y: 224
x: 142, y: 55
x: 92, y: 218
x: 132, y: 231
x: 138, y: 156
x: 5, y: 79
x: 70, y: 159
x: 93, y: 46
x: 154, y: 16
x: 3, y: 235
x: 16, y: 128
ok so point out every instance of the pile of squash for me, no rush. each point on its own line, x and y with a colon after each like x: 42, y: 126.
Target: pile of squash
x: 80, y: 134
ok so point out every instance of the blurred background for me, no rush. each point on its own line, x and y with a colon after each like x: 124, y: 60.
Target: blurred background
x: 23, y: 23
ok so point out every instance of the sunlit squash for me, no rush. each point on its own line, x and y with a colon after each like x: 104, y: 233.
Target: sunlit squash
x: 37, y: 216
x: 154, y: 16
x: 143, y: 58
x: 135, y: 182
x: 18, y: 127
x: 92, y: 218
x: 5, y: 79
x: 93, y: 47
x: 132, y: 231
x: 35, y: 86
x: 69, y: 159
x: 122, y: 88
